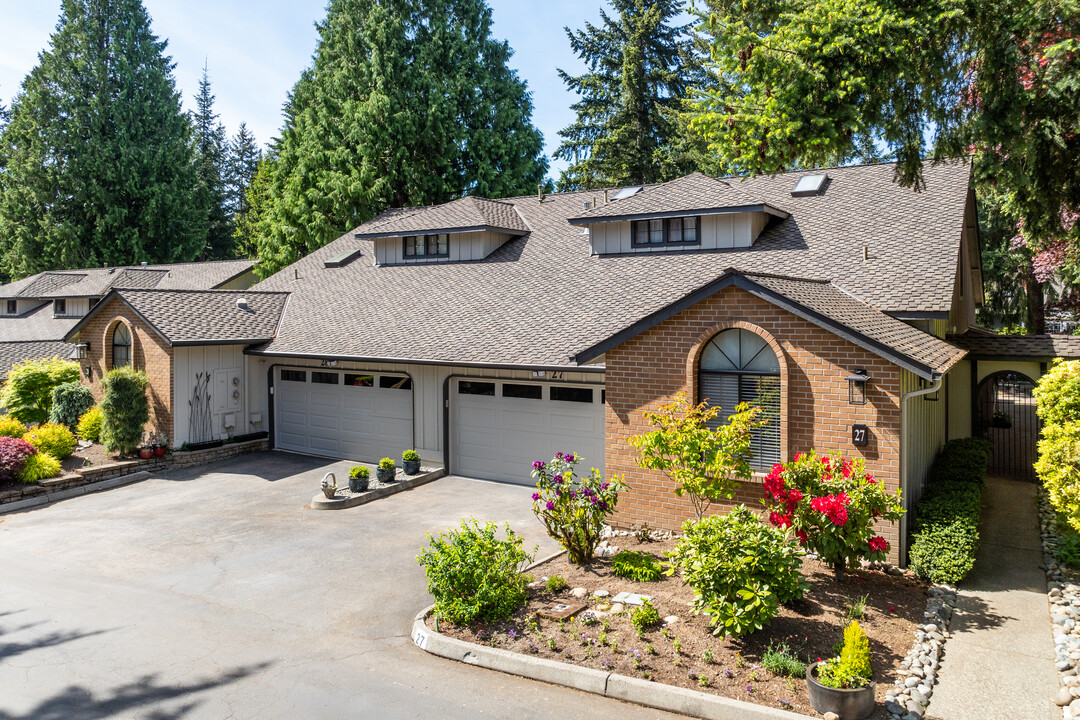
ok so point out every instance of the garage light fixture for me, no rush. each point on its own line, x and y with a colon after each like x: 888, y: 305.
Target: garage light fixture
x: 82, y: 350
x: 857, y: 387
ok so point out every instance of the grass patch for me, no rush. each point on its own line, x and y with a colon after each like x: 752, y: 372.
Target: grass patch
x: 781, y: 660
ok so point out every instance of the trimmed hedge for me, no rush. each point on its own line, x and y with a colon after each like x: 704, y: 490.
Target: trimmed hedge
x: 947, y: 517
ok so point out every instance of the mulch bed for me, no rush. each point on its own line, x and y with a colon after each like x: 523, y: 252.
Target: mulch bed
x: 92, y: 456
x: 810, y: 627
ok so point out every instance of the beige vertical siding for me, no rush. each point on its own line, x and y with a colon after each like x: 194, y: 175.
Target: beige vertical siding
x: 463, y: 247
x: 222, y: 362
x: 718, y: 232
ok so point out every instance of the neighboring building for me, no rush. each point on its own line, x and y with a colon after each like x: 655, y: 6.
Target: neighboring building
x: 38, y: 311
x: 489, y: 333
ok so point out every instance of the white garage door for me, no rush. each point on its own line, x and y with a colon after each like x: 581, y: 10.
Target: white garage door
x: 359, y: 416
x: 499, y: 427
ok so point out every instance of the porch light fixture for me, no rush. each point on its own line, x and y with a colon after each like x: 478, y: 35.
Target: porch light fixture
x: 82, y: 350
x: 856, y: 387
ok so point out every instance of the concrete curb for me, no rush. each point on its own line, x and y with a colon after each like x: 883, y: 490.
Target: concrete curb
x: 51, y: 497
x: 321, y: 502
x: 598, y: 682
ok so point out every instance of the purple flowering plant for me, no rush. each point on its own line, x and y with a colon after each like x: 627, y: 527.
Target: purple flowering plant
x: 573, y: 507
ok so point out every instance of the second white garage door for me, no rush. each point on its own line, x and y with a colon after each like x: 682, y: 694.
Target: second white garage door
x: 499, y: 427
x: 353, y: 415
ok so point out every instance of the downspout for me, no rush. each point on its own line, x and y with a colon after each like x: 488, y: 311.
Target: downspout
x: 905, y: 448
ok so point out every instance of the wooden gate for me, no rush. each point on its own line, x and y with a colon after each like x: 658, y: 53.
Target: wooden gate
x: 1006, y: 415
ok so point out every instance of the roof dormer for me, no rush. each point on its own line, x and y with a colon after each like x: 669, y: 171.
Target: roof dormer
x: 692, y: 212
x: 469, y: 228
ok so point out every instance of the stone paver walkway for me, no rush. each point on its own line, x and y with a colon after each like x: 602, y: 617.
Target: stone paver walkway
x: 999, y: 663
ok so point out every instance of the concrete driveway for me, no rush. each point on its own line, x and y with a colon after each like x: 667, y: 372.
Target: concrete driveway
x: 212, y: 593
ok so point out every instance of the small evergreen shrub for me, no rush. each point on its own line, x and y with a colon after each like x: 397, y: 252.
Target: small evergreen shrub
x: 852, y: 668
x: 27, y: 393
x: 639, y: 566
x: 359, y: 472
x: 556, y: 583
x: 410, y: 456
x: 69, y: 402
x: 125, y: 409
x: 11, y: 427
x: 51, y: 438
x: 645, y: 617
x: 89, y: 427
x: 782, y: 660
x: 473, y: 575
x: 39, y: 466
x: 741, y: 570
x: 387, y: 464
x: 13, y: 455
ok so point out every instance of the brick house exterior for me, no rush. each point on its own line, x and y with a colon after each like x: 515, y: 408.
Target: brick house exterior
x: 149, y: 353
x: 650, y: 369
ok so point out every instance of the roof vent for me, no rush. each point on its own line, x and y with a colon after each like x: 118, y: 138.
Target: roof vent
x: 809, y: 185
x: 242, y: 304
x: 627, y: 192
x: 144, y: 263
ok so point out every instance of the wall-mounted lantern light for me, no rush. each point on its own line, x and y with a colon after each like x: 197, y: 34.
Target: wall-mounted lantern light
x: 82, y: 350
x: 856, y: 384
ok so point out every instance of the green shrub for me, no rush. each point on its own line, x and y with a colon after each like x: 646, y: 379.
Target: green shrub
x: 473, y: 575
x: 69, y: 402
x: 782, y: 660
x: 387, y: 464
x: 556, y: 583
x: 741, y: 570
x: 639, y: 566
x: 410, y: 456
x: 13, y: 455
x: 1058, y: 467
x: 39, y: 466
x: 944, y: 553
x: 645, y: 617
x: 359, y: 472
x: 11, y: 427
x: 27, y: 394
x: 52, y: 438
x: 1068, y: 549
x: 89, y: 427
x: 962, y: 461
x: 852, y: 668
x: 573, y: 507
x: 125, y: 409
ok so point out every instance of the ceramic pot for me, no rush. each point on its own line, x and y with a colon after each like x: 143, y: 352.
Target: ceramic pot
x: 411, y: 467
x: 387, y: 475
x: 358, y: 485
x: 146, y: 453
x: 854, y: 704
x: 159, y: 451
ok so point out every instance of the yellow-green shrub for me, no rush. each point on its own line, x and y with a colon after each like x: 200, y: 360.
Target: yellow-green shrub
x: 39, y: 466
x: 1057, y: 398
x: 89, y: 427
x: 11, y: 427
x: 52, y: 438
x: 852, y: 668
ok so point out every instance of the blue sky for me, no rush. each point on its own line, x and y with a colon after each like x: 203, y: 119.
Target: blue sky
x: 256, y: 50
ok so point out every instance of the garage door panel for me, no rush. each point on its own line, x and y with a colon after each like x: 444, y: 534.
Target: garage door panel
x: 568, y: 424
x: 526, y: 421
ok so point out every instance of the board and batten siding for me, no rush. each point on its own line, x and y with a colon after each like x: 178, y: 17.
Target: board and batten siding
x: 924, y: 434
x: 463, y: 247
x: 74, y: 307
x: 427, y: 381
x: 718, y: 232
x: 223, y: 363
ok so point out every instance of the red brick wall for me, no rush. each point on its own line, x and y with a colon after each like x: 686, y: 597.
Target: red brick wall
x: 650, y: 369
x: 149, y: 353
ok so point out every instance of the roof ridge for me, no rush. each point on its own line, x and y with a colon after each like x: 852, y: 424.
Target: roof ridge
x: 778, y: 276
x: 221, y: 291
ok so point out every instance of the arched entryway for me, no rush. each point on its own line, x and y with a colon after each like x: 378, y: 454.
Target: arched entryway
x: 1006, y: 415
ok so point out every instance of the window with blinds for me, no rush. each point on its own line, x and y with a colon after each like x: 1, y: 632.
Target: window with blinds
x: 738, y: 366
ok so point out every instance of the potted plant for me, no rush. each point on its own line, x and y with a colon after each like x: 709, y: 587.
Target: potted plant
x: 387, y: 471
x: 161, y: 445
x: 1001, y: 419
x: 329, y: 485
x: 843, y: 684
x: 410, y: 462
x: 358, y: 479
x: 146, y: 452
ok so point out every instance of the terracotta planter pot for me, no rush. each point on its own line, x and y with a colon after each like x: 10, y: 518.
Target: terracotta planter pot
x: 146, y: 453
x: 159, y: 451
x: 854, y: 704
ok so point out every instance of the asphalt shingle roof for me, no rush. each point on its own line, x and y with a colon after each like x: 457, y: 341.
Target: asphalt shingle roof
x: 1033, y: 346
x: 542, y: 298
x: 693, y: 193
x: 467, y: 213
x: 15, y: 352
x: 95, y: 282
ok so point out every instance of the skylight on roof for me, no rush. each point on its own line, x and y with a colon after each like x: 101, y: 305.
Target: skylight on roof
x: 809, y: 185
x: 627, y: 192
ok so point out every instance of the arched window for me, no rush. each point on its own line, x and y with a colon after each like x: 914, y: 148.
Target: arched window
x: 121, y: 346
x: 738, y: 366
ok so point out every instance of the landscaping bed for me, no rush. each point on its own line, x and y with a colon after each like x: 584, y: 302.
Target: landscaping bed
x: 810, y: 627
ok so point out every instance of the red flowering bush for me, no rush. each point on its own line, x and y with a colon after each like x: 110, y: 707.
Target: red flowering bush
x: 13, y: 454
x: 831, y: 504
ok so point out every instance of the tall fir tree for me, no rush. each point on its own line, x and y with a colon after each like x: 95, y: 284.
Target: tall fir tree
x: 97, y: 155
x: 627, y: 131
x: 407, y: 102
x: 211, y: 160
x: 245, y: 160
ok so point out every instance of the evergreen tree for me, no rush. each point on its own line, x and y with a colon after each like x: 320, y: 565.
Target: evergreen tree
x: 251, y: 206
x: 211, y: 147
x: 627, y: 129
x: 97, y: 155
x: 407, y: 102
x: 242, y: 163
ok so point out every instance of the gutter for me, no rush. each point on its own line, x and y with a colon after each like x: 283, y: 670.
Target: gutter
x: 905, y: 448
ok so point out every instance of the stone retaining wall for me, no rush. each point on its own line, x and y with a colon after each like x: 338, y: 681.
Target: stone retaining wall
x: 98, y: 473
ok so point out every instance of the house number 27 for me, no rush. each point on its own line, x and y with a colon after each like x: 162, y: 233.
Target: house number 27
x: 860, y: 435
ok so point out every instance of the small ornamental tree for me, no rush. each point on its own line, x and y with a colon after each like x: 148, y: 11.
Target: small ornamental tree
x: 27, y: 395
x: 572, y: 507
x: 69, y: 402
x: 124, y: 408
x: 13, y: 455
x: 705, y: 463
x: 831, y: 504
